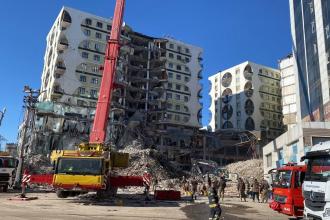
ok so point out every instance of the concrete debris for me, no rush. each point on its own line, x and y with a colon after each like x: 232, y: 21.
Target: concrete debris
x: 247, y: 169
x: 38, y: 163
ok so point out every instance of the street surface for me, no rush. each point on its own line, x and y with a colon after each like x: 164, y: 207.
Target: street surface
x: 127, y: 206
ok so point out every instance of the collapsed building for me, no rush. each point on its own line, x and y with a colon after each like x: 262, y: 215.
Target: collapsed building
x: 155, y: 101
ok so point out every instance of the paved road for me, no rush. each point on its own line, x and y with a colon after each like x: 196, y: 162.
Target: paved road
x: 48, y: 207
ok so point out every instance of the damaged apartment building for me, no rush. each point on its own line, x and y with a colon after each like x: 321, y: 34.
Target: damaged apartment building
x: 157, y: 91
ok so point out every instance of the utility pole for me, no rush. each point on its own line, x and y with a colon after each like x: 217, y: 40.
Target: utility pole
x: 30, y: 99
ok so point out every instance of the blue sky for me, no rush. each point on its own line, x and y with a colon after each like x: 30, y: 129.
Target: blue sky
x: 229, y: 31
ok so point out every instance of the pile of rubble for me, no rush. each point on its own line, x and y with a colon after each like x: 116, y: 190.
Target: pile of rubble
x: 248, y: 170
x: 38, y: 163
x: 141, y: 160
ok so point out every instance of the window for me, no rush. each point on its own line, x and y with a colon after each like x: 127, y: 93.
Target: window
x: 186, y: 88
x: 86, y: 44
x: 171, y: 46
x: 169, y: 85
x: 97, y: 47
x: 186, y: 109
x: 169, y: 116
x: 107, y: 37
x: 187, y: 59
x: 186, y: 119
x: 260, y: 70
x: 82, y: 78
x: 178, y: 87
x: 269, y: 160
x: 88, y: 21
x: 98, y: 35
x: 169, y: 95
x: 177, y: 118
x: 178, y: 67
x: 178, y: 57
x: 95, y: 81
x: 187, y: 50
x: 186, y: 99
x: 186, y: 69
x: 82, y: 90
x: 186, y: 79
x: 178, y: 76
x: 170, y: 75
x: 177, y: 97
x: 179, y: 48
x: 97, y: 57
x: 170, y: 65
x: 87, y: 32
x: 108, y: 27
x: 95, y: 69
x: 169, y: 105
x: 177, y: 107
x: 93, y: 93
x: 170, y: 55
x: 84, y: 55
x: 99, y: 24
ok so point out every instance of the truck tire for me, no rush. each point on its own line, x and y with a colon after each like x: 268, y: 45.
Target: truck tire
x: 62, y: 194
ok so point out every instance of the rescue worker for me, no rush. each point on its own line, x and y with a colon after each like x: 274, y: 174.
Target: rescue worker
x: 241, y: 189
x: 194, y: 185
x: 248, y: 188
x: 215, y: 209
x: 255, y: 190
x: 264, y: 189
x: 222, y: 186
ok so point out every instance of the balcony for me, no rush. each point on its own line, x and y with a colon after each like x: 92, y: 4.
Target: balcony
x: 63, y: 44
x: 66, y: 20
x: 60, y: 68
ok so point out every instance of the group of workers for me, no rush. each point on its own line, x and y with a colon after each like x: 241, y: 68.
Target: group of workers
x: 255, y: 190
x: 214, y: 188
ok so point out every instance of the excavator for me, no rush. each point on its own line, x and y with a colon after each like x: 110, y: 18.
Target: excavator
x: 89, y: 167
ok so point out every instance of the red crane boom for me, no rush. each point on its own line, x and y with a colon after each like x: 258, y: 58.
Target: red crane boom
x: 99, y: 129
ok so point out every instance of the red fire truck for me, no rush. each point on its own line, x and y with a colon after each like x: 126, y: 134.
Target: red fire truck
x: 287, y: 189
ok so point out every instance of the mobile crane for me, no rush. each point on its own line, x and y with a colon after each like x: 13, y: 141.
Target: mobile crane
x: 88, y: 168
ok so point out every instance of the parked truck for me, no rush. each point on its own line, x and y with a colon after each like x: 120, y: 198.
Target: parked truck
x: 8, y: 166
x: 316, y: 187
x: 287, y: 189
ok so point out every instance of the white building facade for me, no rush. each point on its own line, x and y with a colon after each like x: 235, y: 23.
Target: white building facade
x: 247, y: 97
